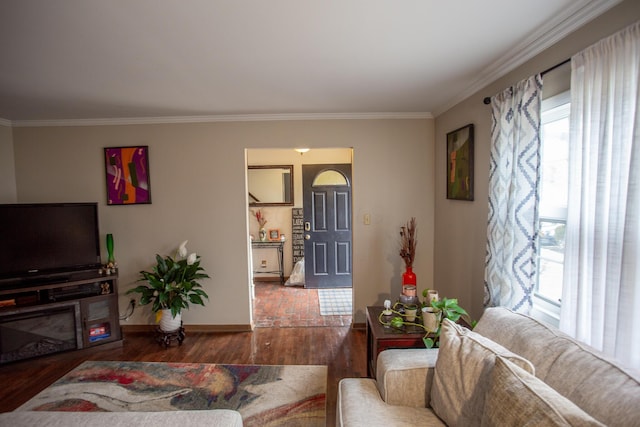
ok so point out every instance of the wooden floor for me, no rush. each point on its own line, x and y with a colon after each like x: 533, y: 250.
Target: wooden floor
x: 342, y: 349
x: 289, y: 331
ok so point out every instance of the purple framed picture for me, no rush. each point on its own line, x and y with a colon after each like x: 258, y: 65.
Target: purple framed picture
x: 127, y: 170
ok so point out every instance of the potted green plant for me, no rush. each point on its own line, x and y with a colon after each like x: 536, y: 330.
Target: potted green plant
x: 444, y: 308
x: 171, y: 286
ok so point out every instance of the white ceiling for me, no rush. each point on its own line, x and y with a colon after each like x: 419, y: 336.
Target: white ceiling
x: 66, y: 60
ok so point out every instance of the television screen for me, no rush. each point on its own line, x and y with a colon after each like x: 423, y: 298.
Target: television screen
x: 37, y: 239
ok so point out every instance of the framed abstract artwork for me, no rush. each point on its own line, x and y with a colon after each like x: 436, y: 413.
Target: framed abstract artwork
x: 127, y: 170
x: 460, y: 163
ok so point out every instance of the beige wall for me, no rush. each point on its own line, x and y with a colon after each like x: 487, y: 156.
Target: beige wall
x: 198, y: 187
x: 460, y: 235
x: 7, y: 168
x: 199, y: 191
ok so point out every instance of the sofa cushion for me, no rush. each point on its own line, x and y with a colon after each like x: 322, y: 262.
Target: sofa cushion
x: 595, y: 383
x: 464, y: 364
x: 517, y: 398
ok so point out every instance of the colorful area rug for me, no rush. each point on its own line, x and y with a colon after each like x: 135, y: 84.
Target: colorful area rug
x: 265, y: 395
x: 335, y: 302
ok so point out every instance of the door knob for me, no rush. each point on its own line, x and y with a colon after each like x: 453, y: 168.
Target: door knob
x: 307, y: 237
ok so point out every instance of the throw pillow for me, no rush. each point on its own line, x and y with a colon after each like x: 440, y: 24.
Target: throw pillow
x: 517, y: 398
x: 462, y: 373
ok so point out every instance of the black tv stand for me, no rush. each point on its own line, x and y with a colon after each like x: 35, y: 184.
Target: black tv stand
x: 40, y: 278
x: 39, y: 281
x: 46, y: 315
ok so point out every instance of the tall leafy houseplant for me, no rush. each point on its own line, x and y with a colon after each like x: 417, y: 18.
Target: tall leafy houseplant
x: 173, y: 282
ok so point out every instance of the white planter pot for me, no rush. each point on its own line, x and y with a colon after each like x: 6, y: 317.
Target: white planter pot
x: 168, y: 323
x: 432, y: 295
x: 410, y: 313
x: 430, y: 320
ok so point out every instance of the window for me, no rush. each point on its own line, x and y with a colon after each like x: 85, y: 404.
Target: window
x: 554, y: 192
x: 330, y: 177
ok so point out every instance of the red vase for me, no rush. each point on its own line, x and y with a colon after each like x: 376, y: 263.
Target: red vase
x: 409, y: 277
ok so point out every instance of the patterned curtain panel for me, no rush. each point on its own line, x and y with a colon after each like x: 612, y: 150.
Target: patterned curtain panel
x: 601, y: 288
x: 514, y: 175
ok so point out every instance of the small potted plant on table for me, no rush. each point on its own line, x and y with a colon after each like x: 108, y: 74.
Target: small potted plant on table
x: 445, y: 308
x: 399, y: 317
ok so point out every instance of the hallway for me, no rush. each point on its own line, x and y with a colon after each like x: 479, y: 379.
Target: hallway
x: 278, y: 306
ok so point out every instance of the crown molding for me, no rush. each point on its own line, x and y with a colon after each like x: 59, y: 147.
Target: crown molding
x: 545, y: 37
x: 219, y: 118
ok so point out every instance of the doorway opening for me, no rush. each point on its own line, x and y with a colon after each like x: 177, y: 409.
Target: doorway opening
x: 286, y: 301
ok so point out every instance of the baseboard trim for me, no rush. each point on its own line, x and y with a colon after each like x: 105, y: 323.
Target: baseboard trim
x: 358, y: 326
x: 190, y: 328
x: 269, y: 279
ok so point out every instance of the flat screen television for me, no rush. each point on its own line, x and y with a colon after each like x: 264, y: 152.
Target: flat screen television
x: 44, y: 239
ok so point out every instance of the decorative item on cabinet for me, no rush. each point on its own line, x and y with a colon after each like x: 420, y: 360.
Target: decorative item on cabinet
x: 262, y: 221
x: 110, y: 266
x: 274, y: 235
x: 408, y: 243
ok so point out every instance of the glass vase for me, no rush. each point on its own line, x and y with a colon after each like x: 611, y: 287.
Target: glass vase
x: 409, y: 277
x: 110, y: 259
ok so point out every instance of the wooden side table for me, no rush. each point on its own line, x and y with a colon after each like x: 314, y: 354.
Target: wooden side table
x: 381, y: 337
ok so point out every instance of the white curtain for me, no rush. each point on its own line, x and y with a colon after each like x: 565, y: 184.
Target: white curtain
x: 601, y: 290
x: 514, y: 177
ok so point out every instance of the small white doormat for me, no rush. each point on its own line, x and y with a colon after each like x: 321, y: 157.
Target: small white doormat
x: 335, y: 302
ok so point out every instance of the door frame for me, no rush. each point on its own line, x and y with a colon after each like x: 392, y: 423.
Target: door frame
x: 345, y: 155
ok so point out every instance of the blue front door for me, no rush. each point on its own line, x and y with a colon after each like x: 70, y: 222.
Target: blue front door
x: 327, y: 225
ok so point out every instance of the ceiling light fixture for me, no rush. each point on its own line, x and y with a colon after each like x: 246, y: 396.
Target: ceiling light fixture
x: 301, y: 150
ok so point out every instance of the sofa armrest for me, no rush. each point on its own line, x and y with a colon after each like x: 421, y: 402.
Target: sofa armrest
x: 360, y: 405
x: 404, y: 377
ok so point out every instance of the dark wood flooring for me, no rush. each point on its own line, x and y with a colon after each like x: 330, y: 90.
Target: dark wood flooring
x: 289, y: 331
x: 342, y: 349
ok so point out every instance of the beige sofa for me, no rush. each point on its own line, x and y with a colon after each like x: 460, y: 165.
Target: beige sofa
x: 218, y: 417
x: 512, y: 370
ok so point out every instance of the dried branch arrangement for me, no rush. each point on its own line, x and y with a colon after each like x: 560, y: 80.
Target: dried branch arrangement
x: 259, y: 217
x: 408, y: 242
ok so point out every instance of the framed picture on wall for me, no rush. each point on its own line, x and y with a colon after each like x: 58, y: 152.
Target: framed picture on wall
x: 127, y: 172
x: 460, y: 163
x: 274, y: 234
